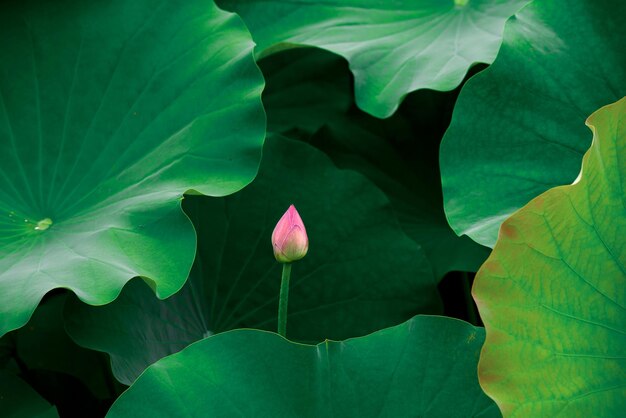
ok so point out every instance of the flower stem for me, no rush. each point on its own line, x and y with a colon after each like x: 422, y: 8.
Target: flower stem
x: 284, y: 299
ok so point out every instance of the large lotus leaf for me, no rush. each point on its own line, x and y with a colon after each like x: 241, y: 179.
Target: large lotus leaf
x: 394, y: 47
x: 517, y: 129
x: 552, y: 292
x: 19, y: 400
x: 362, y: 273
x: 424, y: 367
x: 109, y: 112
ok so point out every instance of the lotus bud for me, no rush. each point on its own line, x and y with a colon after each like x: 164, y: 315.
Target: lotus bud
x: 289, y: 237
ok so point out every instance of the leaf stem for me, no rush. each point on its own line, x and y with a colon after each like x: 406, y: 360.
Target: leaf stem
x: 283, y: 300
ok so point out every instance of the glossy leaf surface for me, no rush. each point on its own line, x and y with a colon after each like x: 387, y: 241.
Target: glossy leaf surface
x: 424, y: 367
x: 517, y: 129
x: 109, y: 112
x: 394, y: 47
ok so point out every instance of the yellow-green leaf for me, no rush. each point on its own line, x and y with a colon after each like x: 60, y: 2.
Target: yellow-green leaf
x: 552, y: 294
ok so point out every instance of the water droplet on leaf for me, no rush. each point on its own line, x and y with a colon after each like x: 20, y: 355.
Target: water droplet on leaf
x: 43, y: 224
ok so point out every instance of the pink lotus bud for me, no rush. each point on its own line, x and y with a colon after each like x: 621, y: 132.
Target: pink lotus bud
x: 289, y: 237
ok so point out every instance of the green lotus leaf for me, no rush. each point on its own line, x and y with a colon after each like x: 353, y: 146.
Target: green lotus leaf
x: 517, y: 129
x: 109, y: 112
x: 423, y: 367
x: 362, y: 273
x: 552, y: 292
x: 393, y: 47
x: 19, y: 400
